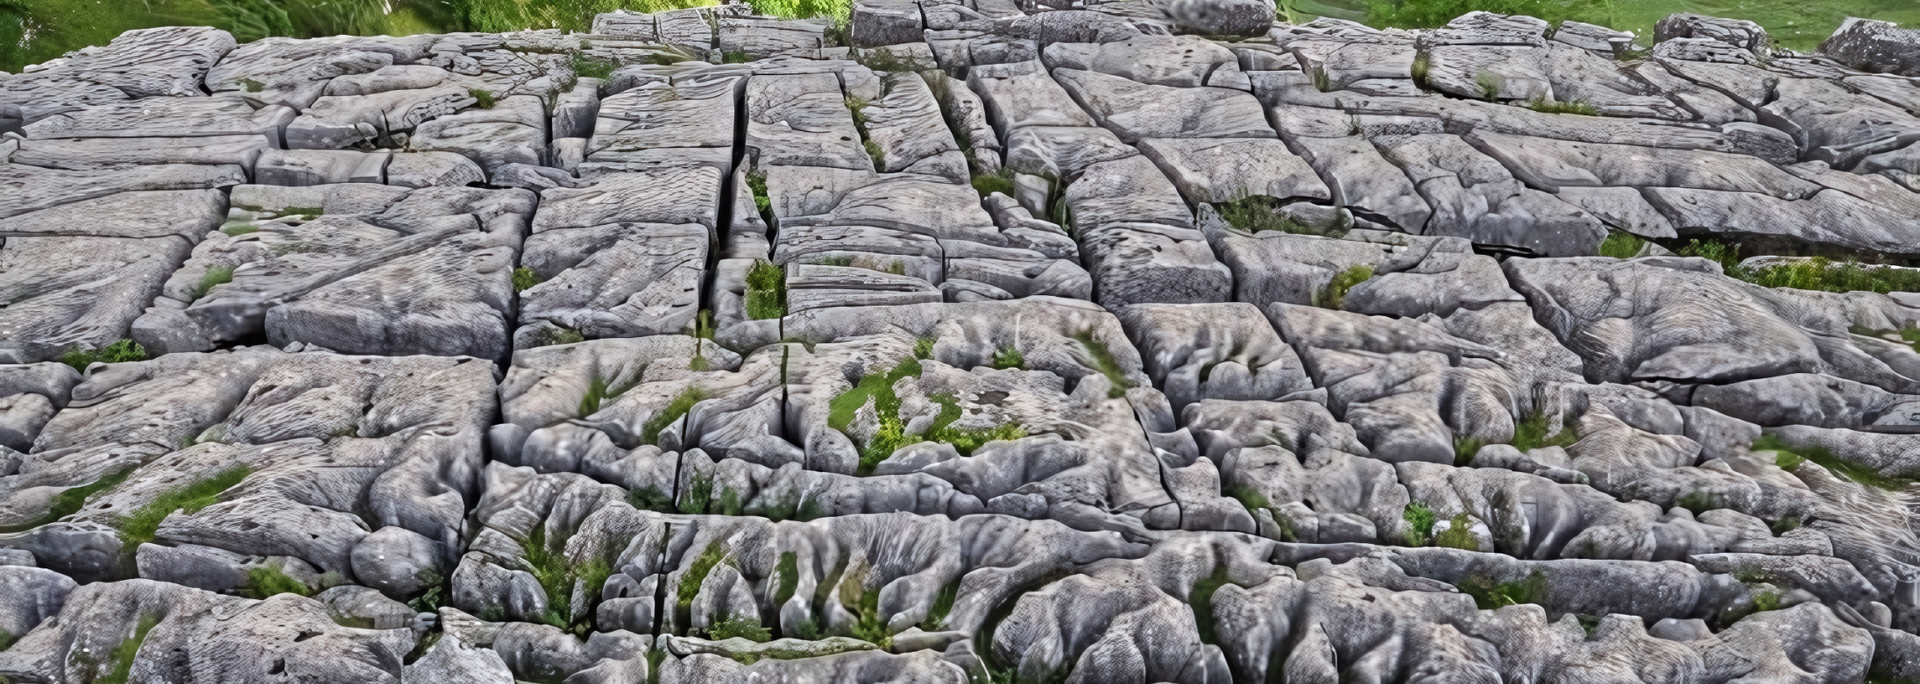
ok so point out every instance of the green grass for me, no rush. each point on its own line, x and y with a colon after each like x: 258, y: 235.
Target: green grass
x: 482, y: 99
x: 786, y: 578
x: 524, y: 279
x: 942, y: 607
x: 1791, y: 457
x: 1421, y: 519
x: 592, y: 67
x: 987, y: 184
x: 703, y: 565
x: 1531, y: 433
x: 1260, y: 212
x: 1826, y: 275
x: 215, y: 276
x: 564, y: 336
x: 556, y: 576
x: 735, y: 58
x: 681, y: 404
x: 923, y: 348
x: 766, y: 291
x: 264, y: 581
x: 757, y: 184
x: 1334, y: 295
x: 879, y: 155
x: 739, y: 626
x: 868, y: 625
x: 1104, y: 362
x: 699, y: 495
x: 139, y: 526
x: 6, y: 639
x: 890, y: 435
x: 1621, y: 245
x: 1464, y: 449
x: 123, y: 653
x: 1488, y: 594
x: 123, y: 351
x: 1201, y: 598
x: 69, y: 500
x: 1765, y: 600
x: 1458, y: 535
x: 966, y: 440
x: 650, y: 498
x: 238, y: 230
x: 1725, y: 254
x: 1009, y: 357
x: 1545, y: 106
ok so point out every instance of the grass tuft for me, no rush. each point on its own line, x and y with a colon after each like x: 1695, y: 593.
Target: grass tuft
x: 264, y: 581
x: 215, y: 276
x: 1009, y: 357
x: 681, y: 404
x: 766, y: 291
x: 124, y: 652
x: 1531, y: 433
x: 139, y: 526
x: 585, y: 66
x: 123, y: 351
x: 987, y: 184
x: 1458, y: 535
x: 1260, y: 212
x: 524, y: 279
x: 757, y: 184
x: 739, y: 626
x: 736, y: 57
x: 481, y: 98
x: 1421, y: 519
x: 696, y: 574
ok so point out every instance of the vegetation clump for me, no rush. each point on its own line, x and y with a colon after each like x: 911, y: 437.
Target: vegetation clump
x: 1009, y: 357
x: 1621, y: 245
x: 1420, y: 519
x: 1531, y: 433
x: 482, y: 99
x: 766, y: 291
x: 674, y: 410
x: 1334, y: 295
x: 524, y: 279
x: 1260, y: 212
x: 121, y: 657
x: 1489, y: 594
x: 1458, y: 535
x: 139, y: 526
x: 123, y: 351
x: 585, y: 66
x: 215, y: 276
x: 987, y: 184
x: 265, y: 580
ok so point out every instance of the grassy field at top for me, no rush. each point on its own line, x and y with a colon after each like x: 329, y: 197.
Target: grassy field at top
x: 33, y: 31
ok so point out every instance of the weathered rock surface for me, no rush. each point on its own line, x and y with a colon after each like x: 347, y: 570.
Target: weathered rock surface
x: 972, y: 341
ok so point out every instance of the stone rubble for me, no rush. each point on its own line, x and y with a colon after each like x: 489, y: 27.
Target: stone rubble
x: 970, y: 341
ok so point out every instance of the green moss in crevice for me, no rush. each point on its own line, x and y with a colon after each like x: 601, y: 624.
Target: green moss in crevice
x: 139, y: 526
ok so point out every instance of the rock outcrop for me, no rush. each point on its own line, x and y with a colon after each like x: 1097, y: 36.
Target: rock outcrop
x: 974, y: 341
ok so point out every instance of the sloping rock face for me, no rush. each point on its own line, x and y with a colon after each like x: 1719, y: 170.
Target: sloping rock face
x: 1128, y: 342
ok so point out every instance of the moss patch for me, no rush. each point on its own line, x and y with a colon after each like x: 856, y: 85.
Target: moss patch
x: 1621, y: 245
x: 1458, y: 535
x: 121, y: 658
x: 214, y: 277
x: 1334, y: 295
x: 675, y: 410
x: 524, y: 279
